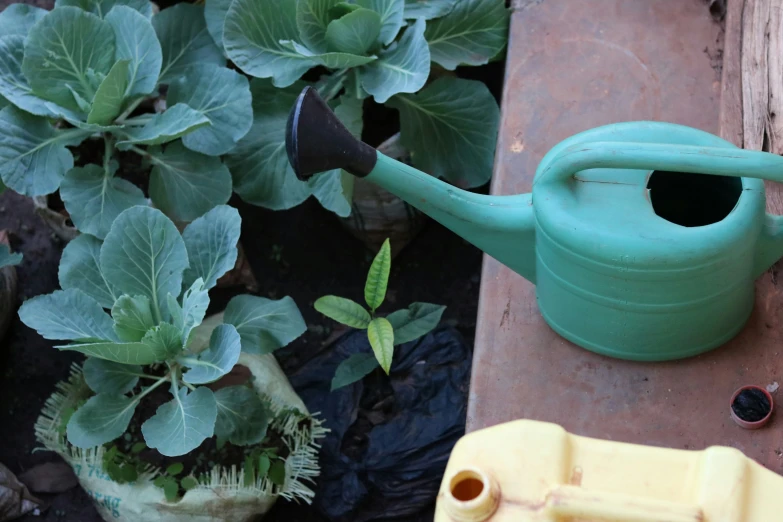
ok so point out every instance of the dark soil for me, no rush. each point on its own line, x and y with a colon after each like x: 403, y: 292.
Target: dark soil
x: 751, y: 405
x: 304, y: 253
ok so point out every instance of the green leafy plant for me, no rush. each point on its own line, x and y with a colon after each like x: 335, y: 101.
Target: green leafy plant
x: 155, y: 282
x: 379, y: 50
x: 384, y: 333
x: 8, y: 258
x: 98, y: 70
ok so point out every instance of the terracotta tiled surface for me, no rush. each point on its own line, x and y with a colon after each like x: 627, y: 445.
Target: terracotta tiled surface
x: 572, y: 66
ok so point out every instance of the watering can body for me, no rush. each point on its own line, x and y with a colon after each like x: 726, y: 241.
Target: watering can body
x: 643, y: 239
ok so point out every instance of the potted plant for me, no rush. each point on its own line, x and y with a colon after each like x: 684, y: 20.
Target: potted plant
x: 359, y: 55
x: 172, y: 415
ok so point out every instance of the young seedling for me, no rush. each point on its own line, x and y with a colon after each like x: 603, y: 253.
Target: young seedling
x: 384, y: 333
x: 155, y: 282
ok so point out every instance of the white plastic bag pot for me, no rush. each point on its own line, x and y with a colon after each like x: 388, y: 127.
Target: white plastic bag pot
x: 224, y: 496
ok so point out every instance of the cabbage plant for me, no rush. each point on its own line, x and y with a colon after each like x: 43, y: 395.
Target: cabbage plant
x: 91, y: 69
x: 374, y: 51
x: 154, y: 281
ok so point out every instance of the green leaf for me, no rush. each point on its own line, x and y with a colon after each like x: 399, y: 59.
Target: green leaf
x: 419, y: 319
x: 80, y: 269
x: 136, y: 41
x: 249, y: 471
x: 261, y: 172
x: 170, y: 489
x: 67, y: 315
x: 165, y: 341
x: 64, y: 51
x: 103, y: 418
x: 185, y: 184
x: 176, y: 122
x: 94, y: 198
x: 223, y: 97
x: 378, y: 277
x: 194, y: 306
x: 182, y: 32
x: 333, y: 190
x: 110, y: 377
x: 18, y: 19
x: 241, y: 416
x: 354, y: 33
x: 428, y: 9
x: 103, y: 7
x: 252, y: 42
x: 128, y: 473
x: 211, y: 242
x: 188, y: 483
x: 330, y: 85
x: 7, y: 258
x: 138, y: 447
x: 263, y: 465
x: 329, y: 60
x: 353, y: 369
x: 471, y: 34
x: 277, y: 473
x: 132, y: 317
x: 215, y: 12
x: 264, y: 325
x: 451, y: 127
x: 13, y: 84
x: 403, y: 67
x: 182, y: 424
x: 350, y: 113
x: 33, y: 157
x: 391, y: 12
x: 312, y: 19
x: 144, y: 254
x: 343, y: 311
x: 175, y: 469
x: 341, y: 9
x: 159, y: 344
x: 107, y: 103
x: 381, y: 337
x: 216, y: 361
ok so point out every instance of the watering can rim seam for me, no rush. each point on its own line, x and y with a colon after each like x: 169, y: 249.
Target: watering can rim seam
x: 660, y: 308
x: 738, y: 254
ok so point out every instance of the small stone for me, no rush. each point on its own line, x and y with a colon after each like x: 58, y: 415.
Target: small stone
x: 50, y: 477
x: 772, y: 388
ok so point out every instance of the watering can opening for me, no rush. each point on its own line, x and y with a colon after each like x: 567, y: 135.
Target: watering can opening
x: 693, y: 200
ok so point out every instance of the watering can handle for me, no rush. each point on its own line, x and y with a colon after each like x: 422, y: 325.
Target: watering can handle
x: 718, y: 161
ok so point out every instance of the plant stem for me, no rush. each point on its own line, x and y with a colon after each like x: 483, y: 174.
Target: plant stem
x: 132, y: 107
x: 149, y: 390
x: 108, y: 152
x: 138, y: 120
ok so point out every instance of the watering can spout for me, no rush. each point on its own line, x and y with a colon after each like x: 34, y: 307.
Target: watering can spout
x: 501, y: 226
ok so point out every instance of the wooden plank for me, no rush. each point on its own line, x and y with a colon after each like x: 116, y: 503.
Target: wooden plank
x: 731, y: 80
x: 755, y: 74
x: 572, y: 66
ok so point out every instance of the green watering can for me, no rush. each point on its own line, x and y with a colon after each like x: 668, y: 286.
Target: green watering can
x: 643, y: 239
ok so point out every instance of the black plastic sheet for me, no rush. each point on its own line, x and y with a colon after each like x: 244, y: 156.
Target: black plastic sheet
x: 412, y: 419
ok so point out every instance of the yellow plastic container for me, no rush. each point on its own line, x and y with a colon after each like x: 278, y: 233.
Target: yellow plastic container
x: 526, y: 471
